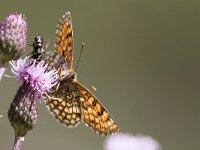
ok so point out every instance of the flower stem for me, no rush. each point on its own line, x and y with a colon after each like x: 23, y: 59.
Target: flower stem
x: 18, y: 142
x: 2, y: 68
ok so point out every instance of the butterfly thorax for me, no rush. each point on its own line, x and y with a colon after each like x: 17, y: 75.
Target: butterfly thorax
x: 69, y: 77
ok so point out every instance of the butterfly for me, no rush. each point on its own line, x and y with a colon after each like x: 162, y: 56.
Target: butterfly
x: 71, y: 102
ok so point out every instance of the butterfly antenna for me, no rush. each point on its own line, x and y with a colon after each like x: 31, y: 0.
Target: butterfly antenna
x: 82, y: 46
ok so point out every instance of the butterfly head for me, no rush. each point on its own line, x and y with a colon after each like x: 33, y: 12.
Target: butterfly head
x: 68, y: 75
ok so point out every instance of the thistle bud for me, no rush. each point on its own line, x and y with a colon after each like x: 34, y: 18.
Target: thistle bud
x: 22, y: 113
x: 13, y: 36
x: 36, y: 81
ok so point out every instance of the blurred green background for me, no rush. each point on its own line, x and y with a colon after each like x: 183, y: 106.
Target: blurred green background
x: 143, y: 57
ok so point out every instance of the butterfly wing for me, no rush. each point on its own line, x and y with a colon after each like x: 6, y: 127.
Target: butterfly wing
x: 64, y: 38
x: 55, y: 61
x: 64, y: 104
x: 94, y: 113
x: 72, y: 101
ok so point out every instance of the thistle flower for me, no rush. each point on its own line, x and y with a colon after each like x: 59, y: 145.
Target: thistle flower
x: 35, y: 82
x: 13, y: 35
x: 125, y: 141
x: 33, y: 73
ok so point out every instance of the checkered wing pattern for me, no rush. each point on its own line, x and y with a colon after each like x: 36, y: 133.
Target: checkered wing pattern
x: 70, y: 101
x: 55, y: 61
x: 64, y: 104
x: 94, y: 113
x: 64, y: 38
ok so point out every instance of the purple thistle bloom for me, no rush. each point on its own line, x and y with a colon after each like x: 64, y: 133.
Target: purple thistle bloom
x: 13, y: 36
x: 33, y: 73
x: 125, y: 141
x: 36, y: 81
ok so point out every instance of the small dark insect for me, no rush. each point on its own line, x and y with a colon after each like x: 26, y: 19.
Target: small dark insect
x: 39, y: 49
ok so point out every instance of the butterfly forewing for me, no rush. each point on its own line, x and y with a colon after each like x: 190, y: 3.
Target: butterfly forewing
x: 64, y: 38
x: 94, y: 113
x: 55, y: 61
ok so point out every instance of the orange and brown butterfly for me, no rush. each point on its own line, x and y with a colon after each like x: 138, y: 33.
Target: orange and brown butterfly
x: 71, y: 102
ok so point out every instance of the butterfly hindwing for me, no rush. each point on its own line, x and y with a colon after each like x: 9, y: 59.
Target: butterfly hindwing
x: 65, y: 105
x: 94, y: 113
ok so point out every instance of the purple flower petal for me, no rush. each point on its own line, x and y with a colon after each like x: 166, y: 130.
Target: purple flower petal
x: 35, y: 74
